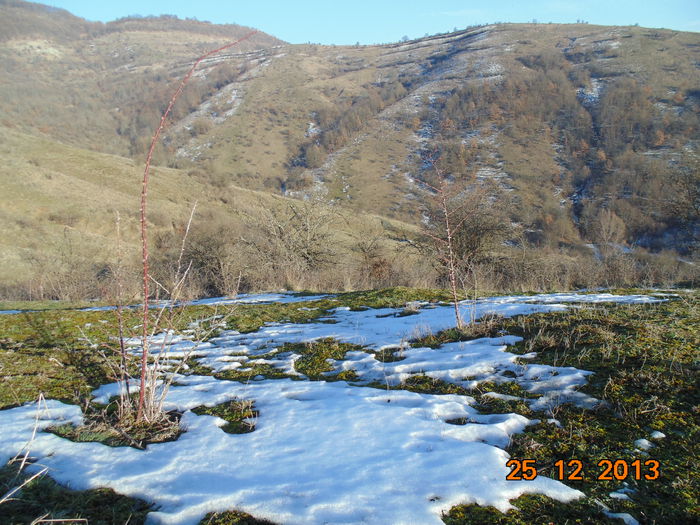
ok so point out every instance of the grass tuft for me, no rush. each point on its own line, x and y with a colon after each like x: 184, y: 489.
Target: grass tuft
x: 104, y: 426
x: 232, y: 517
x: 239, y: 415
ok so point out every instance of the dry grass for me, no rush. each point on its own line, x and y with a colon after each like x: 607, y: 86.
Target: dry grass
x: 44, y: 178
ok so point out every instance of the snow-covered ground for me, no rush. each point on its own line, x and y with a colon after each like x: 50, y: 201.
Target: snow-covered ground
x: 327, y: 452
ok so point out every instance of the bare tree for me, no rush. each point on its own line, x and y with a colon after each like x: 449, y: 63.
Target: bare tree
x: 686, y: 202
x: 609, y: 227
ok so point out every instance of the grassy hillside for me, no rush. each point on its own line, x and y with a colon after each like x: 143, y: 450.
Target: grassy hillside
x: 566, y: 115
x: 99, y: 85
x: 60, y: 207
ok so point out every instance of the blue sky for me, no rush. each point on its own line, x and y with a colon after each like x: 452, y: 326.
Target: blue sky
x: 378, y: 21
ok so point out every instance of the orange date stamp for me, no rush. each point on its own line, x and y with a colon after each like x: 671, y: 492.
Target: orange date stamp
x: 572, y: 470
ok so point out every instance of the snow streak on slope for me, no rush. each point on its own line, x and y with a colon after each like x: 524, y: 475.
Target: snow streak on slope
x: 324, y: 452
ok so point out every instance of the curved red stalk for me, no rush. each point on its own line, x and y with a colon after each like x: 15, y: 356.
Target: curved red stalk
x: 144, y: 193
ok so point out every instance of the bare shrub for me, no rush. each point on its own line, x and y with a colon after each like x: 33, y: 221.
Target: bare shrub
x: 201, y: 126
x: 212, y: 254
x: 665, y: 269
x: 609, y: 228
x: 289, y: 245
x: 68, y: 271
x: 372, y: 264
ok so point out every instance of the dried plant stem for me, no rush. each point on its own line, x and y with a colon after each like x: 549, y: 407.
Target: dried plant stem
x: 25, y: 457
x: 144, y: 236
x: 8, y: 497
x: 124, y: 372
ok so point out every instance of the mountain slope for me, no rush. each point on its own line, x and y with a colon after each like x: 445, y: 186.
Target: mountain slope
x: 98, y: 85
x: 590, y: 133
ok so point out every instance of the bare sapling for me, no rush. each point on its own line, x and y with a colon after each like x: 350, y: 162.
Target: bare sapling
x: 445, y: 223
x: 466, y: 226
x: 144, y: 414
x: 156, y: 383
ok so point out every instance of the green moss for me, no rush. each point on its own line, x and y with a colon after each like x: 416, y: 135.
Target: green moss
x: 47, y: 353
x: 85, y: 435
x: 389, y: 355
x: 315, y: 356
x: 232, y: 517
x: 249, y: 318
x: 531, y: 509
x: 396, y: 297
x: 492, y: 405
x: 428, y: 385
x: 509, y: 388
x: 236, y: 413
x: 244, y: 375
x: 44, y: 497
x: 347, y: 375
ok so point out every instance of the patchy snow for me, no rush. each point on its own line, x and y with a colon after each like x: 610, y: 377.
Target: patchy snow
x: 259, y: 298
x: 620, y: 495
x: 643, y: 444
x: 312, y: 130
x: 657, y: 435
x: 492, y: 69
x: 590, y: 96
x: 377, y: 329
x: 315, y: 456
x: 104, y: 393
x: 595, y: 250
x: 285, y: 297
x: 490, y: 173
x: 326, y: 452
x: 503, y: 397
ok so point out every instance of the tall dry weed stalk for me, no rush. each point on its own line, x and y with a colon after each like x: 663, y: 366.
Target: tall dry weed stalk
x: 141, y: 414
